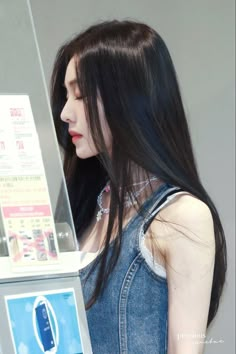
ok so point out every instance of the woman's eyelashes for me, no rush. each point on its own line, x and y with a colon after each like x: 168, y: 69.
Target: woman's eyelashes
x: 75, y: 97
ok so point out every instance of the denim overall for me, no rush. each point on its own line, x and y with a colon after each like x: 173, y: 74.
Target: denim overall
x: 131, y: 315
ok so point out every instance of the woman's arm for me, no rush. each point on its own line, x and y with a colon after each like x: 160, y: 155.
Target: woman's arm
x: 189, y: 265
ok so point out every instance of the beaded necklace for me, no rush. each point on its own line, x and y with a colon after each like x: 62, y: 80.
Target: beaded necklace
x: 129, y: 201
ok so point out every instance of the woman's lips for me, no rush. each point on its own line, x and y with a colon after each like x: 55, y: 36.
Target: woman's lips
x: 75, y: 136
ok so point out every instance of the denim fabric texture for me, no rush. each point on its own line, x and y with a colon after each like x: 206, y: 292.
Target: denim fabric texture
x: 130, y: 317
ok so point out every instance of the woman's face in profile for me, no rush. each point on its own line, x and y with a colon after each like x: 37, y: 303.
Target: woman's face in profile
x: 73, y: 113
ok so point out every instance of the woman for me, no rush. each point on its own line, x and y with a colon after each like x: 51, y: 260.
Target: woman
x: 153, y: 246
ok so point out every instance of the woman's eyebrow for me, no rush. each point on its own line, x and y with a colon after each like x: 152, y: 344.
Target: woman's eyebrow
x: 71, y: 83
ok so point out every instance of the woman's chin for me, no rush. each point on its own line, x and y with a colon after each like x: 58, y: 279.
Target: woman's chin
x: 84, y: 154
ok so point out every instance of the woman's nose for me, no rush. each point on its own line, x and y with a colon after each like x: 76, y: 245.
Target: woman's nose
x: 67, y: 114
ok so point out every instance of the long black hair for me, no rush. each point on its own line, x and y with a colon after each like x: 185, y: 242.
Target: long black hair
x: 129, y: 66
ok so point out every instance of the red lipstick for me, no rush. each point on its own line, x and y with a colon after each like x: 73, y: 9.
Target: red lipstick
x: 75, y: 136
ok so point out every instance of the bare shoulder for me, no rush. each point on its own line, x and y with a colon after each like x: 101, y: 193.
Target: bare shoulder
x: 184, y: 215
x: 185, y: 204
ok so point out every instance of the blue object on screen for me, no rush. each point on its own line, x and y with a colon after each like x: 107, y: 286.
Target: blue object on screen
x: 45, y: 328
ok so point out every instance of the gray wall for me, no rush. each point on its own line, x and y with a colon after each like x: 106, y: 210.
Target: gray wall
x: 200, y: 36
